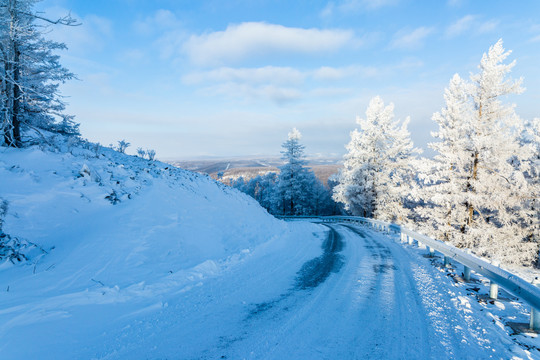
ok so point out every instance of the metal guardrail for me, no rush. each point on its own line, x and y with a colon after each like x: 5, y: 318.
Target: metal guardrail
x: 497, y: 276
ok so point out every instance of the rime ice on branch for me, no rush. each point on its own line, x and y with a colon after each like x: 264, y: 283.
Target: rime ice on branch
x: 476, y: 189
x: 30, y: 74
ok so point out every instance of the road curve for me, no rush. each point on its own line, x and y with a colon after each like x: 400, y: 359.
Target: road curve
x: 363, y: 297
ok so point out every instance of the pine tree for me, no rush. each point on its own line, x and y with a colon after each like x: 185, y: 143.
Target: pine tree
x: 262, y: 188
x: 446, y: 176
x: 294, y: 192
x: 531, y: 138
x: 30, y: 73
x: 477, y: 186
x: 377, y: 169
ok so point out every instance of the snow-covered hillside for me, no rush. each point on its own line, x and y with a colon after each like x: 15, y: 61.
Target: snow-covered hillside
x: 111, y: 235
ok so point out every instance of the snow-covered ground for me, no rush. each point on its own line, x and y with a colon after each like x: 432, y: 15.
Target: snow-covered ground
x: 181, y: 267
x: 100, y: 264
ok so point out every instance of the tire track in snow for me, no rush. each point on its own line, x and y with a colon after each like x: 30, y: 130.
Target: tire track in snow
x: 313, y: 272
x: 316, y: 271
x: 393, y: 316
x: 350, y: 315
x: 447, y: 330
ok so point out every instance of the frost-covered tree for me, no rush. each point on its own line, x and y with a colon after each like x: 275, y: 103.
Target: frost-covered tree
x: 531, y: 138
x: 476, y: 184
x: 262, y: 188
x: 151, y: 153
x: 449, y: 170
x: 122, y: 146
x: 374, y: 181
x: 296, y: 182
x: 322, y: 202
x: 30, y: 73
x: 141, y: 152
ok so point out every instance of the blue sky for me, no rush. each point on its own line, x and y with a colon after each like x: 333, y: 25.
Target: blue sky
x: 231, y: 78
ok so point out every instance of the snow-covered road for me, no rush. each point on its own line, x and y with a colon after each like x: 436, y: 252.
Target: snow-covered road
x: 365, y: 296
x: 186, y: 268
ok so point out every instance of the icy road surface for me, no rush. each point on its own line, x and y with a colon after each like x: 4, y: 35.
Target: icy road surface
x: 363, y: 297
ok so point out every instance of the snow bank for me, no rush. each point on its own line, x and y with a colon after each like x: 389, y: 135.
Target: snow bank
x: 113, y: 229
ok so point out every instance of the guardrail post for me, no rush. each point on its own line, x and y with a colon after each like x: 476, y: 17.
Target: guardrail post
x: 410, y: 239
x: 466, y: 273
x: 493, y: 287
x: 446, y: 261
x: 493, y: 290
x: 431, y: 251
x: 535, y: 314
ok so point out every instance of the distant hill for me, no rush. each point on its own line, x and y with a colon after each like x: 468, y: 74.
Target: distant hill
x: 233, y: 168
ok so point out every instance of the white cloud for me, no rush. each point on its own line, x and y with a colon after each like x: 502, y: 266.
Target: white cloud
x: 328, y: 10
x: 132, y: 56
x: 404, y: 39
x: 488, y: 26
x: 285, y: 84
x: 256, y: 39
x: 331, y: 92
x: 471, y: 24
x: 170, y: 43
x: 161, y: 19
x: 455, y: 3
x: 167, y: 30
x: 367, y: 4
x: 277, y: 94
x: 267, y: 74
x: 281, y: 76
x: 327, y: 73
x: 535, y: 39
x: 277, y: 84
x: 354, y: 6
x: 460, y: 26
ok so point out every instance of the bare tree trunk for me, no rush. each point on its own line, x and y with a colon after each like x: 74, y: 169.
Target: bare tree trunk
x: 13, y: 93
x: 474, y: 175
x: 16, y: 120
x: 470, y: 206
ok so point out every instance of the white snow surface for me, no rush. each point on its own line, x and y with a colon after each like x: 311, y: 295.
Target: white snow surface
x: 185, y: 268
x: 106, y: 264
